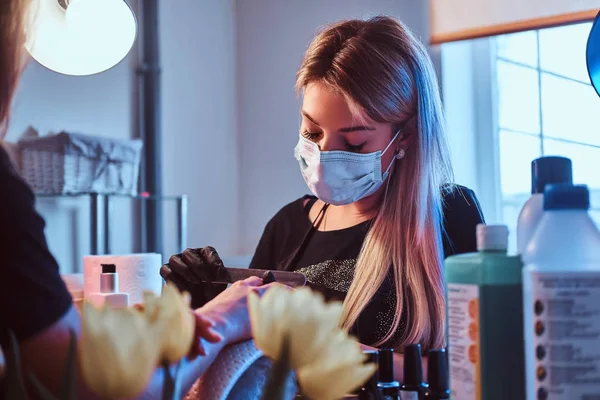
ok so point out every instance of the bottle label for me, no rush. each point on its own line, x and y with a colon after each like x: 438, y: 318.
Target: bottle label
x: 409, y: 395
x: 463, y: 341
x: 562, y: 335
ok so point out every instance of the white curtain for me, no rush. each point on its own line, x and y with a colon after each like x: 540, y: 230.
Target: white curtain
x: 453, y: 20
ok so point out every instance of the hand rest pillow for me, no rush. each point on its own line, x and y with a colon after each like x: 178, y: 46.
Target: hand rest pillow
x: 239, y: 372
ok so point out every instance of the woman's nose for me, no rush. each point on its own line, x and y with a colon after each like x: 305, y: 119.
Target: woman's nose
x: 327, y: 143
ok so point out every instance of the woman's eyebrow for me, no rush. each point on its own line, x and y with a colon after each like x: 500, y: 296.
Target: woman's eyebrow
x: 345, y: 130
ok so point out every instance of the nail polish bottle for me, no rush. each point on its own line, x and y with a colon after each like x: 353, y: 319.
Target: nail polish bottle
x: 388, y: 386
x: 413, y: 387
x: 109, y: 295
x: 370, y: 391
x: 437, y: 375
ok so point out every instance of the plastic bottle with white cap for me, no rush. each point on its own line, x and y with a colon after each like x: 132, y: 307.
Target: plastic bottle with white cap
x: 544, y: 171
x: 485, y: 323
x: 561, y: 291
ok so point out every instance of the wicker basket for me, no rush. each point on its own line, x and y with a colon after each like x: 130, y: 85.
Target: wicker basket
x: 69, y: 163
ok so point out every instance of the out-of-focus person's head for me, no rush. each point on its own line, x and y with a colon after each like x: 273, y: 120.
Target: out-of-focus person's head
x: 12, y: 53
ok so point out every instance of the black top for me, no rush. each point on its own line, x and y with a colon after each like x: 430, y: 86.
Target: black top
x: 328, y: 258
x: 32, y: 293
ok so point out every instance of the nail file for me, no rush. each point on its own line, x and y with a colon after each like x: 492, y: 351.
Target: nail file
x: 293, y: 279
x: 231, y: 275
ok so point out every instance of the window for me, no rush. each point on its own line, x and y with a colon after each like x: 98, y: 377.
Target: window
x: 545, y: 105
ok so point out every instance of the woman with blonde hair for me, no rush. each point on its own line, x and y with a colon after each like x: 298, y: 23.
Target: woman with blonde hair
x: 384, y: 211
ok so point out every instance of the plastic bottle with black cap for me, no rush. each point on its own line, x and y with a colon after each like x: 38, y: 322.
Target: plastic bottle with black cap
x: 370, y: 391
x: 438, y: 378
x: 388, y: 386
x: 544, y: 171
x: 413, y: 387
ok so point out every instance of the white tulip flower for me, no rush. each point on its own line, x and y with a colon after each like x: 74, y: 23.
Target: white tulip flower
x: 339, y: 370
x: 120, y: 349
x: 328, y: 363
x: 117, y: 355
x: 171, y: 320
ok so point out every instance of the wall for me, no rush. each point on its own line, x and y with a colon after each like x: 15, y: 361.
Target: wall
x: 272, y: 36
x: 200, y: 159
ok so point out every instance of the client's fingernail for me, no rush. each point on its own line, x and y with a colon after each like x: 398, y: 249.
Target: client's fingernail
x: 217, y: 337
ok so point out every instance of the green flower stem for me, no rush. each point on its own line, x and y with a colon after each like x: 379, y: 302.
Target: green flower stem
x: 279, y: 374
x: 276, y: 383
x: 171, y: 386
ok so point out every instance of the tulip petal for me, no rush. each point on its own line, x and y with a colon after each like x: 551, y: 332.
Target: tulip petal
x: 270, y: 314
x: 339, y: 369
x: 174, y: 325
x: 256, y: 315
x: 150, y: 306
x: 313, y: 323
x: 278, y: 311
x: 333, y: 384
x: 117, y: 356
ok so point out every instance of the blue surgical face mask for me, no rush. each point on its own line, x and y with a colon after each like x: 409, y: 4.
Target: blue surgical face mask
x: 341, y: 177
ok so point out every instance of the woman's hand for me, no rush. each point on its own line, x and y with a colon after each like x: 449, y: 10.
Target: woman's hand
x: 229, y: 310
x: 193, y: 271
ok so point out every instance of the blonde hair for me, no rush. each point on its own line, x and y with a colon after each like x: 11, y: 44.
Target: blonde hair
x: 384, y: 71
x: 12, y: 50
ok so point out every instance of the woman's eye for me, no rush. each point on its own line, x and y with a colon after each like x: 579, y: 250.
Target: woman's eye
x: 354, y: 148
x: 311, y: 135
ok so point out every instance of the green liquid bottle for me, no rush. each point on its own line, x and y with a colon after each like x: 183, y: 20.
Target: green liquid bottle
x: 485, y: 320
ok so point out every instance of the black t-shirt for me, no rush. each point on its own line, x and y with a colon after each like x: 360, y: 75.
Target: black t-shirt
x: 32, y: 293
x: 328, y: 259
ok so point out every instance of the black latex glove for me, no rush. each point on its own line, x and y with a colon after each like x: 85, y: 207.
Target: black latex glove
x: 193, y: 271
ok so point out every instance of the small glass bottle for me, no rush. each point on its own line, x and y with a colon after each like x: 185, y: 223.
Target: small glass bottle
x: 109, y: 286
x: 413, y: 387
x: 388, y: 386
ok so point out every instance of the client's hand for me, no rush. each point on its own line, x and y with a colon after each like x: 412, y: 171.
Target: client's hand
x: 193, y: 271
x: 229, y: 310
x: 205, y: 329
